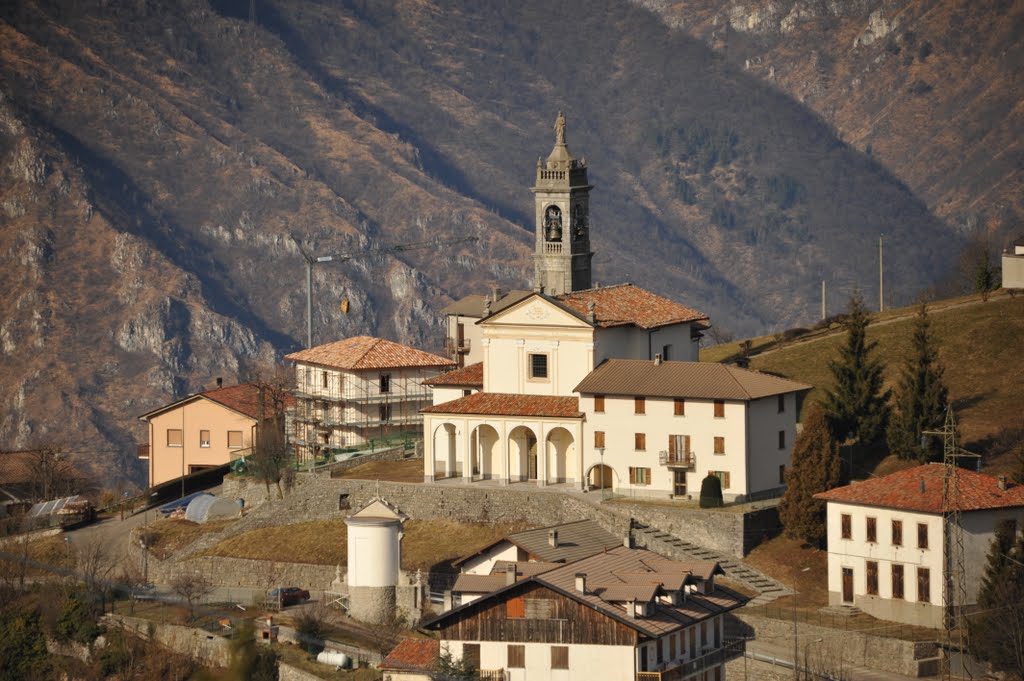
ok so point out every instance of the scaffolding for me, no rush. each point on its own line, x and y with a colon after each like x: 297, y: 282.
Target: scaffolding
x: 337, y: 409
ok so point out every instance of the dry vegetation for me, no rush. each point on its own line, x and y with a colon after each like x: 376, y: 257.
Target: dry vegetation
x: 172, y: 535
x: 406, y: 470
x: 428, y: 544
x: 977, y: 342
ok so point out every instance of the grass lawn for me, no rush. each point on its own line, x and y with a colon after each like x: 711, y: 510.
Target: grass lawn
x: 976, y: 344
x: 406, y: 470
x: 427, y: 545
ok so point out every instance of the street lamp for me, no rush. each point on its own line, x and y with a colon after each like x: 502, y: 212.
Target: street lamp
x: 600, y: 452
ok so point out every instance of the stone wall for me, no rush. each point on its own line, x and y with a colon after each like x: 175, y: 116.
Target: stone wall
x: 317, y: 497
x: 196, y: 643
x: 389, y: 454
x: 242, y: 572
x: 286, y: 672
x: 844, y: 648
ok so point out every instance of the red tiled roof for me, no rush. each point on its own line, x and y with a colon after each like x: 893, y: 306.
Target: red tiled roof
x: 366, y: 352
x: 18, y: 468
x: 413, y: 654
x: 243, y: 398
x: 507, y: 404
x: 920, y: 489
x: 626, y: 304
x: 471, y: 376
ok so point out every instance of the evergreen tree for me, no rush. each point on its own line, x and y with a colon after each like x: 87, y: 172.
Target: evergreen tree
x: 997, y: 631
x: 814, y: 467
x: 22, y: 647
x: 921, y: 396
x: 711, y: 491
x: 857, y: 406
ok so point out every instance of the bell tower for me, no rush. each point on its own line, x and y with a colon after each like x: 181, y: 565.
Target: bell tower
x: 562, y: 204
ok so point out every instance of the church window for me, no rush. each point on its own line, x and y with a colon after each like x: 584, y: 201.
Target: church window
x: 538, y: 366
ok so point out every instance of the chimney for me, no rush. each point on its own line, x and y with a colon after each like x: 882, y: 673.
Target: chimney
x: 495, y: 294
x: 553, y: 538
x: 657, y: 359
x: 592, y: 312
x: 581, y: 582
x: 627, y: 541
x: 487, y: 307
x: 449, y: 601
x: 220, y: 382
x: 631, y: 609
x: 1001, y: 481
x: 510, y: 574
x: 539, y: 288
x: 922, y: 486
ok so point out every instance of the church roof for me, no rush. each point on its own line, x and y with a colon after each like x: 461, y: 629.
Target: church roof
x: 473, y: 305
x: 626, y: 304
x: 509, y: 404
x: 698, y: 380
x: 366, y: 352
x: 470, y: 376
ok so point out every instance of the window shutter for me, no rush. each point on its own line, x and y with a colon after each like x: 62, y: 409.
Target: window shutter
x: 686, y: 443
x: 632, y: 475
x: 672, y: 445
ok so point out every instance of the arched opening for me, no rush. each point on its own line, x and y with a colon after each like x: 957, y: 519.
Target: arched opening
x: 446, y: 463
x: 561, y: 449
x: 486, y: 452
x: 522, y: 449
x: 601, y: 476
x: 553, y: 223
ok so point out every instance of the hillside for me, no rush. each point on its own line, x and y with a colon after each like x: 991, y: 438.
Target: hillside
x: 158, y: 156
x: 930, y: 88
x: 980, y: 344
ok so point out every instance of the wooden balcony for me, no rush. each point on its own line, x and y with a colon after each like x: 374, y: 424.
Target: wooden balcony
x: 677, y: 459
x: 457, y: 347
x: 678, y: 671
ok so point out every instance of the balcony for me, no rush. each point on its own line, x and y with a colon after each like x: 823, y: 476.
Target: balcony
x: 677, y: 459
x: 677, y: 671
x: 457, y: 347
x: 142, y: 451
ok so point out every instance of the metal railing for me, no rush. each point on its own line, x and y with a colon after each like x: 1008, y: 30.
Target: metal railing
x: 677, y: 459
x: 455, y: 346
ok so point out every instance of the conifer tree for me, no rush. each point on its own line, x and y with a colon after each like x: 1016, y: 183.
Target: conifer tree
x: 921, y: 395
x: 997, y: 630
x: 814, y: 467
x: 857, y: 406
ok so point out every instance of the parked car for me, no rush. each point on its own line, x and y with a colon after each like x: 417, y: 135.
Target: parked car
x: 287, y: 595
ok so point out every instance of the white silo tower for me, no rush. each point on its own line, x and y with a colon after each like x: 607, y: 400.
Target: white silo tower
x: 374, y: 560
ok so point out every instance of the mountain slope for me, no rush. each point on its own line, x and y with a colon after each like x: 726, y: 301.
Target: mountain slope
x: 195, y: 143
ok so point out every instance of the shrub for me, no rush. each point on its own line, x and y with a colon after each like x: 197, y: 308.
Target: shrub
x: 711, y: 492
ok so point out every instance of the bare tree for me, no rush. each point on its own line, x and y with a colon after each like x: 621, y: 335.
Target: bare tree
x: 193, y: 587
x: 271, y: 457
x: 52, y: 474
x: 95, y: 564
x: 129, y: 578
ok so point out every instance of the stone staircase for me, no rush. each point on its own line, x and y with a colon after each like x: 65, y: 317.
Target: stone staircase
x: 671, y: 546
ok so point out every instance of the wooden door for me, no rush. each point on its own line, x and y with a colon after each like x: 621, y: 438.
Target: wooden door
x: 847, y: 585
x: 679, y: 483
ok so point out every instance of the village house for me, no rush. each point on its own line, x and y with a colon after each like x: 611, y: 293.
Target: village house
x: 888, y: 539
x: 359, y: 388
x: 204, y: 430
x: 634, y: 614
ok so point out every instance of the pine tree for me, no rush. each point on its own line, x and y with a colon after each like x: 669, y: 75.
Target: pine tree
x: 857, y: 406
x: 921, y: 395
x: 814, y: 468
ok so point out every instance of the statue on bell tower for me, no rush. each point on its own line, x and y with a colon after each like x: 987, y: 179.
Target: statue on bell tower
x: 562, y: 259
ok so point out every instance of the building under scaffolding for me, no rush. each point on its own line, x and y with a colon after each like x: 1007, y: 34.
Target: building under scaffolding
x: 358, y: 389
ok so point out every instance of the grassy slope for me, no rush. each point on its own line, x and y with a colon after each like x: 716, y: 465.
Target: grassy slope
x: 980, y: 344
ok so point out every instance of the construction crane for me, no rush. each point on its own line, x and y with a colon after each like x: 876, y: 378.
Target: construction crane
x: 345, y: 257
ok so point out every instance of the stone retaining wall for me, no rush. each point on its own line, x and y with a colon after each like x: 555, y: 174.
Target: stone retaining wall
x: 242, y: 572
x: 852, y: 648
x: 318, y: 497
x: 286, y: 672
x: 196, y: 643
x: 389, y: 454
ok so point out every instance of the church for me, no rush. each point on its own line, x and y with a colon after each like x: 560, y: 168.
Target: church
x: 597, y: 387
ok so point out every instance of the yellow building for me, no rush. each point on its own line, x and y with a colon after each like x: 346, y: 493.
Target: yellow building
x: 203, y: 430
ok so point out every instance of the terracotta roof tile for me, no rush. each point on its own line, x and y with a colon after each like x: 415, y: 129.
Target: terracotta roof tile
x: 707, y: 380
x: 413, y: 654
x: 507, y: 404
x: 471, y: 376
x: 366, y: 352
x: 18, y: 468
x: 626, y: 304
x: 243, y: 398
x: 920, y: 489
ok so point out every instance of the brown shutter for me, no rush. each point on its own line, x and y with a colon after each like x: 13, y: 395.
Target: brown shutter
x: 632, y: 475
x: 515, y: 608
x: 686, y: 443
x: 672, y: 446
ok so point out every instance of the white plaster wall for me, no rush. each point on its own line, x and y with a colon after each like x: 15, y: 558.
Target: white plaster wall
x: 1013, y: 269
x: 765, y: 455
x: 620, y: 423
x: 443, y: 393
x: 373, y: 555
x: 586, y: 662
x: 630, y: 342
x: 470, y: 332
x: 483, y: 564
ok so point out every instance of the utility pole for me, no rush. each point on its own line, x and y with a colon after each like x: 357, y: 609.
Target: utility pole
x: 823, y: 315
x: 345, y: 257
x: 881, y: 277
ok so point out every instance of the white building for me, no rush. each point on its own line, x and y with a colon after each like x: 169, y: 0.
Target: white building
x: 658, y: 428
x: 887, y: 540
x: 634, y: 614
x: 359, y: 388
x: 1013, y: 266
